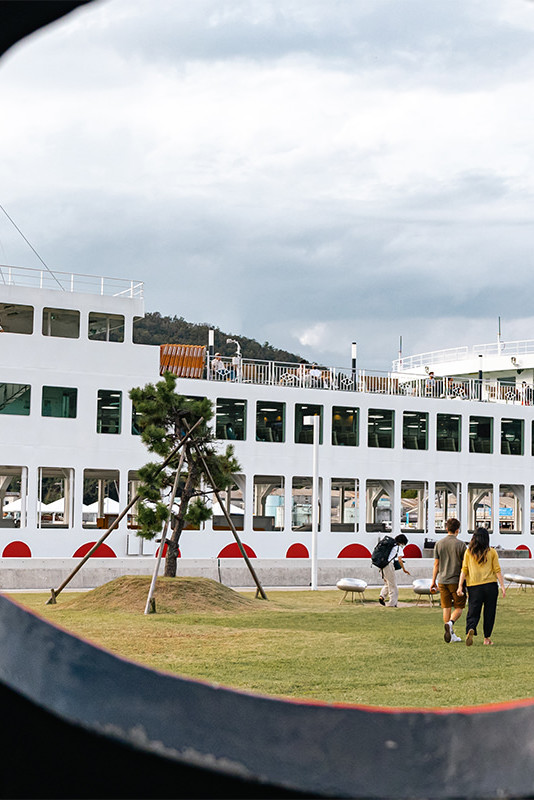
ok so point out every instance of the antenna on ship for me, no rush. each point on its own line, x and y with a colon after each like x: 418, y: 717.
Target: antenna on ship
x: 30, y: 245
x: 499, y: 346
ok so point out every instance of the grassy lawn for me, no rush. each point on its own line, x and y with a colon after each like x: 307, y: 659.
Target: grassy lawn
x: 305, y: 645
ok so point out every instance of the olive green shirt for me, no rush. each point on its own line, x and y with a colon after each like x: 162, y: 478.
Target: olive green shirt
x: 449, y: 551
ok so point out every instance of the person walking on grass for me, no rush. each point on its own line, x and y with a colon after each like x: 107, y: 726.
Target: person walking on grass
x: 390, y: 588
x: 480, y: 572
x: 448, y: 558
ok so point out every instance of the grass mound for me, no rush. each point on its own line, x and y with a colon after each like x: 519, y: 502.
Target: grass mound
x: 173, y: 595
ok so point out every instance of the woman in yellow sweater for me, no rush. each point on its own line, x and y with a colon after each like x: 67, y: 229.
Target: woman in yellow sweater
x: 480, y: 571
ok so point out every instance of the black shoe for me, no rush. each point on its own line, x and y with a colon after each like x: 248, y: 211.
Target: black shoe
x: 381, y: 601
x: 448, y: 631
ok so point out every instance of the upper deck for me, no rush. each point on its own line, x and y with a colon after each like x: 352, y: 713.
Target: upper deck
x: 70, y: 282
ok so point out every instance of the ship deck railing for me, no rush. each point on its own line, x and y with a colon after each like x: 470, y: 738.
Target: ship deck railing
x: 299, y: 376
x: 521, y: 347
x: 37, y: 278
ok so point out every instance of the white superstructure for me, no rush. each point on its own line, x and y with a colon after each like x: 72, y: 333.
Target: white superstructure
x: 400, y: 451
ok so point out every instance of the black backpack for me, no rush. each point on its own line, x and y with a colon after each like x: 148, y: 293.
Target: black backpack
x: 380, y: 555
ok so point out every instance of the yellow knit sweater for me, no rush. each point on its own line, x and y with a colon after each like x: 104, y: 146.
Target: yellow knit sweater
x: 476, y: 573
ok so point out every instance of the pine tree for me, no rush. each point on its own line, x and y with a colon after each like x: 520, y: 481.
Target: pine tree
x: 163, y: 417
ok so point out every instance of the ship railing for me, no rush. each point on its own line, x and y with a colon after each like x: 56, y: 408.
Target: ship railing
x: 422, y: 360
x: 306, y: 376
x: 34, y: 278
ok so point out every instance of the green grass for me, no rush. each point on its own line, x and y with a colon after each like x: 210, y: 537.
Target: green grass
x: 305, y: 645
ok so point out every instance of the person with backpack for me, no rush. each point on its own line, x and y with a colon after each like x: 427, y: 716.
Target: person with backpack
x: 385, y: 557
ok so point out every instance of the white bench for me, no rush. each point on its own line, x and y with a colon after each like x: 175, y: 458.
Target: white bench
x: 353, y: 585
x: 421, y: 587
x: 522, y: 580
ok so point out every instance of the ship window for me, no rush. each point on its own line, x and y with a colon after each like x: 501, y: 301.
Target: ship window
x: 108, y: 412
x: 480, y: 434
x: 343, y: 505
x: 16, y: 318
x: 448, y: 432
x: 13, y: 496
x: 413, y: 506
x: 100, y: 497
x: 380, y: 424
x: 512, y: 437
x: 270, y: 421
x: 230, y: 419
x: 15, y: 398
x: 106, y: 327
x: 63, y: 322
x: 268, y: 503
x: 136, y: 430
x: 379, y: 506
x: 302, y: 504
x: 234, y: 502
x: 479, y: 506
x: 345, y: 426
x: 446, y: 503
x: 415, y: 430
x: 55, y: 497
x: 59, y: 401
x: 511, y: 508
x: 304, y: 423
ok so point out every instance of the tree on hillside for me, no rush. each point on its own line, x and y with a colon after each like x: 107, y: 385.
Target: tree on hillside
x: 154, y: 328
x: 163, y: 418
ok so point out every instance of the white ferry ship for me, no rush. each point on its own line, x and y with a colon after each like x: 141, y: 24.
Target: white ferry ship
x: 443, y: 434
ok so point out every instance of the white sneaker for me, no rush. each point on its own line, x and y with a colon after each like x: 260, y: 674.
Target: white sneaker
x: 455, y: 638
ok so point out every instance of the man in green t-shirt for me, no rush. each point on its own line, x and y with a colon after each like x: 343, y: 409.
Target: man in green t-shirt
x: 448, y: 557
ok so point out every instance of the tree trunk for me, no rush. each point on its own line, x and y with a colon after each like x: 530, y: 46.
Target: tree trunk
x: 171, y: 559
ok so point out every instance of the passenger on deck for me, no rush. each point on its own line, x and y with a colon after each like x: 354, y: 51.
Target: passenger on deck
x: 315, y: 375
x: 218, y: 370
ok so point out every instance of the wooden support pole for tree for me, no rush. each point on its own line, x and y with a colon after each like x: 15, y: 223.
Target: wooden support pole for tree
x: 150, y: 605
x: 54, y: 592
x: 209, y: 476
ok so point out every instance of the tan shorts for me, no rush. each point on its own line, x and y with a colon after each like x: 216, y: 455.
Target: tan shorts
x: 448, y: 596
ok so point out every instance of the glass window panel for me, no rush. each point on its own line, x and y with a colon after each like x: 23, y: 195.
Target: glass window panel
x: 480, y: 434
x: 59, y: 401
x: 512, y: 437
x: 343, y: 505
x: 108, y: 415
x: 447, y: 503
x: 13, y: 496
x: 230, y: 419
x: 15, y: 398
x: 415, y: 430
x: 100, y: 497
x: 413, y: 506
x: 448, y: 432
x: 16, y: 318
x: 379, y: 505
x: 106, y: 327
x: 268, y: 503
x: 380, y: 430
x: 270, y: 421
x: 55, y: 493
x: 301, y: 503
x: 234, y: 501
x: 345, y: 423
x: 63, y: 322
x: 303, y: 424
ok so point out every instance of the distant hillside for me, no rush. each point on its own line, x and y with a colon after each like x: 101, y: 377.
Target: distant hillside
x: 155, y: 329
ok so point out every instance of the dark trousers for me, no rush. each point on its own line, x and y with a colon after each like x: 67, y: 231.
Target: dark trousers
x: 482, y: 596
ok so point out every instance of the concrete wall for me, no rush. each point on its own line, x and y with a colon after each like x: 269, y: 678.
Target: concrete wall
x: 48, y: 573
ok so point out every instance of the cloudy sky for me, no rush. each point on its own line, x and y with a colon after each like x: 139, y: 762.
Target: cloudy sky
x: 307, y: 172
